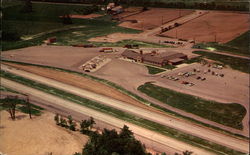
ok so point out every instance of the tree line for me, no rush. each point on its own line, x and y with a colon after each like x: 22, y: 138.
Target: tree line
x: 212, y: 5
x: 108, y: 142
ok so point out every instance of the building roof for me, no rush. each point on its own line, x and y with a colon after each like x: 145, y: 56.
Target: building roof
x: 117, y: 8
x: 176, y: 60
x: 131, y: 54
x: 174, y: 56
x: 152, y: 58
x: 155, y: 57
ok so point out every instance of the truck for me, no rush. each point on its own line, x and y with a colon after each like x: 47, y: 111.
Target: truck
x: 107, y: 50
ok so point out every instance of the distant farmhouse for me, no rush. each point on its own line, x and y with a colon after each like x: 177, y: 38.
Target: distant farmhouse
x: 113, y: 9
x: 155, y: 58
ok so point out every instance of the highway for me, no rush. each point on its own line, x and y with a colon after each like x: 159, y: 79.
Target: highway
x: 167, y: 141
x: 190, y: 128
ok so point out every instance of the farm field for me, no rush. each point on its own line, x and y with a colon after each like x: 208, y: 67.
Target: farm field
x: 153, y: 18
x: 239, y: 45
x: 45, y: 19
x: 38, y: 136
x: 213, y: 27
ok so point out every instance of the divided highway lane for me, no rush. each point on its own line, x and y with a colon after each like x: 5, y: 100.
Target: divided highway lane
x: 166, y: 141
x: 190, y: 128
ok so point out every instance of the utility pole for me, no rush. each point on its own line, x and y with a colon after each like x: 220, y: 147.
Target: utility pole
x: 215, y: 37
x: 28, y: 105
x: 142, y: 25
x: 176, y: 33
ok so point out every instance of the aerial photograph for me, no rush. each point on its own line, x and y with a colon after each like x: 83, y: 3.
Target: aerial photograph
x: 125, y: 77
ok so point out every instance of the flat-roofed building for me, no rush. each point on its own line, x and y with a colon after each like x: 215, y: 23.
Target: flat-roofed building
x: 155, y: 58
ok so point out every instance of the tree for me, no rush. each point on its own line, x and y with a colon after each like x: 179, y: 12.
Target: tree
x: 9, y: 103
x: 126, y: 133
x: 63, y: 122
x: 27, y: 8
x: 112, y: 142
x: 57, y: 118
x: 66, y: 19
x: 72, y: 124
x: 187, y: 152
x: 86, y: 125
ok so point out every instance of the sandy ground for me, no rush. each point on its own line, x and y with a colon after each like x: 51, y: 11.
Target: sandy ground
x: 86, y: 16
x: 100, y: 125
x: 224, y: 26
x: 38, y: 136
x: 153, y: 136
x: 89, y: 16
x: 153, y: 18
x: 54, y: 55
x: 156, y: 117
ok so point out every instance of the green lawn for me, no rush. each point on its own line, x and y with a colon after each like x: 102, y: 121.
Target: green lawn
x: 239, y: 45
x: 154, y: 70
x: 171, y: 132
x: 233, y: 62
x: 230, y: 114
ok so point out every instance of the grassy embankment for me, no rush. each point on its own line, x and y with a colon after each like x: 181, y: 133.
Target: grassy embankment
x: 4, y: 89
x: 239, y: 45
x: 44, y: 22
x: 142, y: 100
x: 193, y: 140
x: 227, y: 114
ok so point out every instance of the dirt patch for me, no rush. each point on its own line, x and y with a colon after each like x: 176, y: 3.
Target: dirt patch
x: 86, y: 16
x: 214, y: 26
x: 114, y: 37
x: 38, y: 136
x: 59, y: 56
x: 89, y: 16
x: 153, y: 18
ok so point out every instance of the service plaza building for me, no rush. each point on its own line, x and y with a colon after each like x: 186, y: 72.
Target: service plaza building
x: 158, y: 58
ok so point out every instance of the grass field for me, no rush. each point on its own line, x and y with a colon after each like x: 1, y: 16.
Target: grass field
x: 196, y: 141
x: 227, y: 114
x: 45, y: 18
x: 154, y: 70
x: 239, y: 45
x: 240, y: 64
